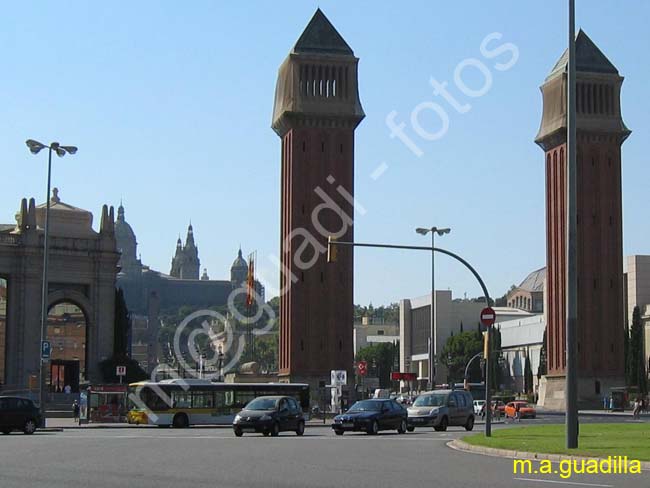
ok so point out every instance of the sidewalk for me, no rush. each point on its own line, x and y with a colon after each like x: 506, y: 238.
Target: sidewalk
x: 58, y: 424
x: 593, y: 413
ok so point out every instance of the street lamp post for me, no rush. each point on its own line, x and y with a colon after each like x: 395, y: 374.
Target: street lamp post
x: 432, y: 328
x: 35, y: 147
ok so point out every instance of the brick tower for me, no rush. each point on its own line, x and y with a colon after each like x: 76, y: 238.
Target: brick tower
x: 316, y: 111
x: 600, y: 134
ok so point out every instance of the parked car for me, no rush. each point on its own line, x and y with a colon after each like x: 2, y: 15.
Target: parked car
x: 440, y: 409
x: 478, y: 406
x: 19, y: 414
x: 371, y: 416
x: 525, y: 410
x: 270, y: 415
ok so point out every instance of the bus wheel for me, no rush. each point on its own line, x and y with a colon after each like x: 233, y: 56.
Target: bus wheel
x: 181, y: 421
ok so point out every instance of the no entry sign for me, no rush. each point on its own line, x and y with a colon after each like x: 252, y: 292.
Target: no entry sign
x: 362, y: 368
x: 488, y: 316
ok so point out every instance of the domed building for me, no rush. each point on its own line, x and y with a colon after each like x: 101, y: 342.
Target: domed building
x: 148, y: 292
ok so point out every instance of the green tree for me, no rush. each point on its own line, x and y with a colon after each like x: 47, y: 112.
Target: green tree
x: 457, y: 352
x: 626, y: 354
x: 637, y: 363
x: 496, y: 356
x: 122, y: 325
x: 528, y: 375
x: 542, y: 369
x: 381, y: 359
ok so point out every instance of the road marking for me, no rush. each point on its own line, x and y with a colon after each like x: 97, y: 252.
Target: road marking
x: 564, y: 482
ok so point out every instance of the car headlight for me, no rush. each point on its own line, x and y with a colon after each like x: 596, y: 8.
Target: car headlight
x: 265, y: 417
x: 237, y: 418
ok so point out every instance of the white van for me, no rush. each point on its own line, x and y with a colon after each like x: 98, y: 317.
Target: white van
x: 382, y: 393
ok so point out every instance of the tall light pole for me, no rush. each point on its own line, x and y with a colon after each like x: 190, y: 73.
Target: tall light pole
x: 35, y: 147
x: 572, y: 247
x: 432, y: 329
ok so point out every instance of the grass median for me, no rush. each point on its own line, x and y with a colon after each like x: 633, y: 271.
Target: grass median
x: 596, y: 440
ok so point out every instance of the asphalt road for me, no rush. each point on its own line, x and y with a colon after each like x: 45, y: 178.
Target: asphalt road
x: 214, y: 457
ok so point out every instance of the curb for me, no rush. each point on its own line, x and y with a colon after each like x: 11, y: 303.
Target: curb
x: 463, y: 446
x: 127, y: 426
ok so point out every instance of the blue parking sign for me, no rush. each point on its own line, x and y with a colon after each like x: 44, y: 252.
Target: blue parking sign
x: 46, y: 349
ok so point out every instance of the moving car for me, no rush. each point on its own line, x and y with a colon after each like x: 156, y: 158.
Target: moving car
x: 525, y: 410
x: 270, y: 415
x: 440, y: 409
x: 19, y: 414
x: 371, y: 416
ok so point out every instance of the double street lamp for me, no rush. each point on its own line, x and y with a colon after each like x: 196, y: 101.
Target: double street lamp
x: 35, y: 147
x: 432, y: 329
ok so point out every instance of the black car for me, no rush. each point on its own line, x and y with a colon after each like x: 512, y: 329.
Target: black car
x: 19, y: 414
x: 371, y: 416
x: 270, y: 415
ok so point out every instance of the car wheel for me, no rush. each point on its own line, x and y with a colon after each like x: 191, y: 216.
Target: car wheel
x: 402, y: 427
x: 181, y: 421
x: 275, y: 430
x: 443, y: 425
x: 470, y: 423
x: 338, y: 432
x: 238, y: 432
x: 373, y: 429
x: 301, y: 428
x: 6, y: 431
x: 266, y: 433
x: 410, y: 429
x: 30, y: 427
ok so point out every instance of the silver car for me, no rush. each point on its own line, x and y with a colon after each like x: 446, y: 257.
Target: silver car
x: 440, y: 409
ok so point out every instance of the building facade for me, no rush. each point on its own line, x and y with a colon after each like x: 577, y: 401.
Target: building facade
x: 600, y: 134
x: 529, y: 295
x: 316, y: 112
x: 149, y: 293
x: 81, y: 294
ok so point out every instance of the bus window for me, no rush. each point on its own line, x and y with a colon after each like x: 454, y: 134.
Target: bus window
x: 242, y: 398
x: 202, y: 399
x: 181, y: 399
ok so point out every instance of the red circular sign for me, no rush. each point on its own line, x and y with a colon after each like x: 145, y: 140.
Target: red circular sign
x: 362, y: 368
x: 488, y: 316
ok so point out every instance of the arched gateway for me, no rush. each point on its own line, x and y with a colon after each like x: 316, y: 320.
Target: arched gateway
x: 81, y: 296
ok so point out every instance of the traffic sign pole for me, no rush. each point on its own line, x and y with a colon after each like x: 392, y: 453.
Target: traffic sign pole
x: 488, y: 317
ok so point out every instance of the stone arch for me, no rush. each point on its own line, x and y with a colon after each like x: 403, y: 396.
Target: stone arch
x: 66, y: 361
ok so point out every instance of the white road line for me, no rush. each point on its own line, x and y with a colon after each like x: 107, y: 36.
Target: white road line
x: 564, y: 482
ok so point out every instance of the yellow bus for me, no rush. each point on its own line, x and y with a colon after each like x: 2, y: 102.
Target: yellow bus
x: 184, y: 402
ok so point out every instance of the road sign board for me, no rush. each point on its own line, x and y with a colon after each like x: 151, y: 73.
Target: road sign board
x: 120, y: 371
x: 488, y: 316
x: 46, y: 350
x: 339, y: 377
x: 362, y: 368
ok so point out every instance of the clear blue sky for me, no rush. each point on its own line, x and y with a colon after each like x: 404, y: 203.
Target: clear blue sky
x: 170, y: 105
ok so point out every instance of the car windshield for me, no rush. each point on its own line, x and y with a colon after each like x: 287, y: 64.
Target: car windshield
x: 366, y: 406
x: 430, y: 401
x: 262, y: 404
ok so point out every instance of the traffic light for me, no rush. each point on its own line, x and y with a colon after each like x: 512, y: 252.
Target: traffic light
x: 332, y: 250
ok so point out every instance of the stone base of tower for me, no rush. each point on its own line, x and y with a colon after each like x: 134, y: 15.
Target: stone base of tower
x: 317, y: 395
x: 591, y: 390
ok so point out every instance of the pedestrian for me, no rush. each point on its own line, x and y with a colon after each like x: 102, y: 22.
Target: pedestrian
x: 517, y: 412
x: 67, y: 389
x: 636, y: 408
x: 75, y: 411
